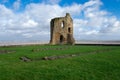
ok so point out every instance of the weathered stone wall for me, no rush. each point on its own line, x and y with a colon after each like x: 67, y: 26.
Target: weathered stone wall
x: 62, y: 30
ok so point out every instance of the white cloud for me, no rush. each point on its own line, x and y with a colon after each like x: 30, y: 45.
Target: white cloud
x: 51, y: 1
x: 16, y: 4
x: 92, y: 32
x: 54, y: 1
x: 27, y: 35
x: 96, y: 22
x: 34, y: 22
x: 30, y: 24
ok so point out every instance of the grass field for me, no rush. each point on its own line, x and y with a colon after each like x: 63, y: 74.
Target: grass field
x: 103, y: 65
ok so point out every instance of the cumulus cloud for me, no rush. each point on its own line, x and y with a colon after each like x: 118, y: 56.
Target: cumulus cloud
x: 96, y: 22
x: 90, y: 22
x: 30, y: 23
x: 16, y: 4
x: 51, y: 1
x: 34, y: 21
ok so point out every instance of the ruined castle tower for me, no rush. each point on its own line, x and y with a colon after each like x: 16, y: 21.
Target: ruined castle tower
x: 62, y: 30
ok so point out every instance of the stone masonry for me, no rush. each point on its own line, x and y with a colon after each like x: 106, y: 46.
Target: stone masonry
x: 62, y: 30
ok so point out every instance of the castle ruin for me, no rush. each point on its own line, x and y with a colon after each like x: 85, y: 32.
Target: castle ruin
x: 62, y: 30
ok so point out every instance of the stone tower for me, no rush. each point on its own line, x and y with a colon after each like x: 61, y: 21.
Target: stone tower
x: 62, y: 30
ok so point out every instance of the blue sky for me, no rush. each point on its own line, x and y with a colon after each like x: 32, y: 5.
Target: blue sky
x: 28, y: 20
x: 109, y: 5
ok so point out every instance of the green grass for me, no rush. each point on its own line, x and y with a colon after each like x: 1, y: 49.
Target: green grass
x: 100, y: 66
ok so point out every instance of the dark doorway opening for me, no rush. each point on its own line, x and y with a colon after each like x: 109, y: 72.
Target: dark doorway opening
x: 69, y: 30
x: 61, y: 38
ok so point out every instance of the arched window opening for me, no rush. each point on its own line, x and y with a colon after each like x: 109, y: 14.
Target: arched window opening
x: 62, y: 24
